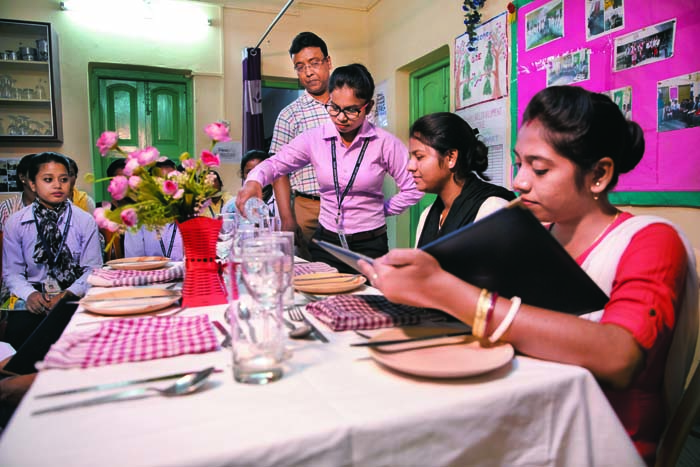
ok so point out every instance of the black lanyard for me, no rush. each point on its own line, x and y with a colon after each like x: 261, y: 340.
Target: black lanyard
x: 172, y: 241
x: 45, y: 244
x: 338, y: 196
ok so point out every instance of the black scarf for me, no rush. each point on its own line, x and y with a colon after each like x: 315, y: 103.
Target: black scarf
x: 62, y: 266
x: 464, y: 208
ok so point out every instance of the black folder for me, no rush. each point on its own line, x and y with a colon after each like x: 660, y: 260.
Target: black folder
x: 511, y: 252
x: 44, y: 336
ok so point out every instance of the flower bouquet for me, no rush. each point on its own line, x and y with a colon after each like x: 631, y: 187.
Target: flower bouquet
x: 156, y: 198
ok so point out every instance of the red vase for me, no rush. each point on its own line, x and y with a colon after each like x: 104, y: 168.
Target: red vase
x: 203, y: 284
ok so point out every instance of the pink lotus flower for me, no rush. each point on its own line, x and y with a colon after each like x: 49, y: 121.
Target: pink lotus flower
x: 189, y: 164
x: 210, y: 160
x: 118, y: 187
x: 170, y: 187
x: 134, y: 182
x: 131, y: 165
x: 112, y: 226
x: 146, y: 156
x: 129, y: 217
x: 100, y: 219
x: 107, y: 141
x: 217, y: 131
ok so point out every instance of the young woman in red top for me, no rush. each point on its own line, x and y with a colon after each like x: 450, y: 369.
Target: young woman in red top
x: 571, y: 147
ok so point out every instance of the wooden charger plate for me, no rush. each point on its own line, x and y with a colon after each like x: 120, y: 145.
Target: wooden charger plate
x: 129, y: 301
x: 328, y: 282
x: 448, y: 357
x: 139, y: 263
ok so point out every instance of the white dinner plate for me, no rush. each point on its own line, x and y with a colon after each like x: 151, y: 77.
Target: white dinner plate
x: 139, y: 263
x: 449, y: 357
x: 130, y: 301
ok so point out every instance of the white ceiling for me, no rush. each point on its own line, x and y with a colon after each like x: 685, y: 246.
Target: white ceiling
x: 277, y: 5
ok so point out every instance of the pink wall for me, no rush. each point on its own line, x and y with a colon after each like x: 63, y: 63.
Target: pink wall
x: 672, y: 158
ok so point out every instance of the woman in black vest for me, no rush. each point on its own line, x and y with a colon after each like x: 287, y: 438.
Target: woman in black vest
x: 447, y: 159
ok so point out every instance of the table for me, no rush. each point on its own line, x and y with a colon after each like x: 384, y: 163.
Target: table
x: 334, y: 407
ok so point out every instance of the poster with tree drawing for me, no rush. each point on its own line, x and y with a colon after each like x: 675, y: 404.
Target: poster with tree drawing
x: 481, y: 67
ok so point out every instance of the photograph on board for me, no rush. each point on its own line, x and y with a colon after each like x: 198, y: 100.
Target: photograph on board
x: 569, y: 68
x: 679, y: 102
x: 622, y: 97
x: 544, y: 24
x: 603, y: 17
x: 646, y: 45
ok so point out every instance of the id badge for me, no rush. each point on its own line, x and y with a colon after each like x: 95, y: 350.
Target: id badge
x: 343, y: 240
x: 51, y: 286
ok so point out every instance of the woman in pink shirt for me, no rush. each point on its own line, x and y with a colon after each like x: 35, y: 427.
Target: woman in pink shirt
x: 351, y: 157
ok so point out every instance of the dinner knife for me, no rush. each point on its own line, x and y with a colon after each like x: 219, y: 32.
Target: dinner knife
x: 411, y: 339
x: 120, y: 384
x: 330, y: 279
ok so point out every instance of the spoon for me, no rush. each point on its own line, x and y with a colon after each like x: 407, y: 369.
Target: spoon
x: 185, y: 385
x: 298, y: 332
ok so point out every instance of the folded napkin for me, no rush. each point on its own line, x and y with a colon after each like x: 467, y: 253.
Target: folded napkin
x: 115, y: 278
x: 344, y: 312
x: 132, y: 340
x: 310, y: 268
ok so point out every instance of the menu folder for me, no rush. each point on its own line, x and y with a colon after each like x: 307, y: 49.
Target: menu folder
x: 512, y: 253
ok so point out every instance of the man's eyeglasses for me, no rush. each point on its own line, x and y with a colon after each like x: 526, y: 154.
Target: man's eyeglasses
x: 313, y: 65
x: 351, y: 113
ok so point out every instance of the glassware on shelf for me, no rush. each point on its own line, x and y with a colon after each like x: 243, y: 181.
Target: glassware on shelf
x: 40, y: 90
x: 13, y: 128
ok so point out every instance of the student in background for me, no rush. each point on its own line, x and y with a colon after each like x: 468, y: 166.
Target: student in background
x: 351, y: 157
x: 213, y: 209
x: 79, y: 198
x: 447, y: 159
x: 167, y: 242
x: 249, y: 161
x: 114, y: 239
x: 571, y: 148
x: 49, y: 248
x: 24, y: 198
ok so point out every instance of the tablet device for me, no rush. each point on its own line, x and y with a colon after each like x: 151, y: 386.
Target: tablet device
x: 44, y: 336
x: 512, y: 253
x: 346, y: 256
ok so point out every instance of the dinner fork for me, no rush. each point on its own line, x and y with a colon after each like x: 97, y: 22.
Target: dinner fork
x: 296, y: 315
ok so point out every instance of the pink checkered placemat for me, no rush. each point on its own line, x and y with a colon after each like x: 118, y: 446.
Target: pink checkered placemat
x: 344, y: 312
x: 310, y: 268
x: 116, y: 278
x: 132, y: 340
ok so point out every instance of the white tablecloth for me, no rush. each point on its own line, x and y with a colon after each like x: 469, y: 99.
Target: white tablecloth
x: 334, y: 407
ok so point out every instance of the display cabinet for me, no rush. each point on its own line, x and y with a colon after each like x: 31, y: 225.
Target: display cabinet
x: 30, y: 91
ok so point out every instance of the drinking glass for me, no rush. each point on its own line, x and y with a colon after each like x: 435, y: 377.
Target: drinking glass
x: 258, y: 338
x: 287, y: 247
x: 229, y: 223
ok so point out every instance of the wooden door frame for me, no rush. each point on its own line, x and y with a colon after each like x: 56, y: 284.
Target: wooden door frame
x: 98, y: 71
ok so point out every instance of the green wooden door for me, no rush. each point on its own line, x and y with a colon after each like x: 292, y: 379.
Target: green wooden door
x: 145, y: 109
x: 166, y: 118
x: 430, y: 93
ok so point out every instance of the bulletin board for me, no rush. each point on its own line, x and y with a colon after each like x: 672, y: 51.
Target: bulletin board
x: 644, y: 55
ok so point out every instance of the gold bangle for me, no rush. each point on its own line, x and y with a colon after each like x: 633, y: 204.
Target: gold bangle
x: 482, y: 306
